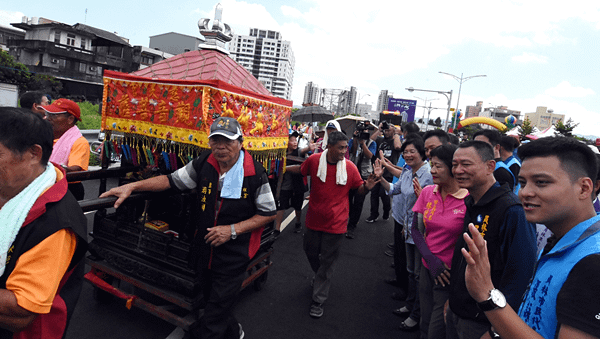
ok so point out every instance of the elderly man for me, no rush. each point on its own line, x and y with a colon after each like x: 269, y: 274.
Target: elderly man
x: 236, y: 202
x: 42, y: 235
x: 332, y: 179
x: 71, y: 148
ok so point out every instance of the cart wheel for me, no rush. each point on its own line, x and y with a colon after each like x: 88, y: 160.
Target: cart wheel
x: 259, y: 283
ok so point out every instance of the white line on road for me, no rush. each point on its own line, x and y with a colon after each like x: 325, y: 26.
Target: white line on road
x: 291, y: 217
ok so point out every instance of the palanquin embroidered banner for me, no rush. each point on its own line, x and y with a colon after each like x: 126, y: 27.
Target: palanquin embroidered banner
x: 183, y: 110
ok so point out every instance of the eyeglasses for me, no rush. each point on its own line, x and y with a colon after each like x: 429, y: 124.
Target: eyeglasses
x: 51, y: 116
x: 412, y: 151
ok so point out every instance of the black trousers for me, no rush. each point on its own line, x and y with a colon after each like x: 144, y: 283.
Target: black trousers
x: 378, y: 192
x: 400, y: 257
x: 220, y: 293
x: 356, y: 205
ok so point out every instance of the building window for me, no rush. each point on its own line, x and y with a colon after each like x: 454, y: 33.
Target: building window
x: 146, y: 60
x: 82, y: 44
x: 71, y: 39
x: 57, y: 37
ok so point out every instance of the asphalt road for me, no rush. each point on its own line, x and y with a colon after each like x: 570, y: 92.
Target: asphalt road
x: 359, y: 305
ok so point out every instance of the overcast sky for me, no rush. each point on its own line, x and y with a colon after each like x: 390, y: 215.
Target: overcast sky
x: 534, y: 53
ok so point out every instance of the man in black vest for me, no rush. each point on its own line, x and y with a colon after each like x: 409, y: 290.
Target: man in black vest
x: 388, y: 144
x: 43, y: 232
x: 499, y: 217
x: 235, y: 203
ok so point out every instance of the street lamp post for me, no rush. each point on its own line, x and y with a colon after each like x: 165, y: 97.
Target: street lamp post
x: 448, y: 96
x: 425, y: 108
x: 460, y: 82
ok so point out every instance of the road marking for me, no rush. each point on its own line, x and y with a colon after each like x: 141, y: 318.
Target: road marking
x: 291, y: 217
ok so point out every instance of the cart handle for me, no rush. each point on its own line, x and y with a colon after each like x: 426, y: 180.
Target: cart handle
x: 93, y: 278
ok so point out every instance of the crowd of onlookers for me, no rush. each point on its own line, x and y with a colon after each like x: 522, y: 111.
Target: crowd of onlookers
x: 481, y: 227
x: 491, y: 238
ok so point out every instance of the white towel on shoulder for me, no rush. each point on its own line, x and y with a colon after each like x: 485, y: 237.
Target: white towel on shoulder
x: 341, y: 176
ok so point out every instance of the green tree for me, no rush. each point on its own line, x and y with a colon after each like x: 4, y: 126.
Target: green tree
x: 565, y: 129
x: 525, y: 129
x: 12, y: 72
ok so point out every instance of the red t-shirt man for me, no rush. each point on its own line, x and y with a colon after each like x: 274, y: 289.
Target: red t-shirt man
x: 328, y: 207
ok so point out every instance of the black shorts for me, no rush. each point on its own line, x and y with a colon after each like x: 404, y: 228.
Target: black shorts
x: 289, y: 199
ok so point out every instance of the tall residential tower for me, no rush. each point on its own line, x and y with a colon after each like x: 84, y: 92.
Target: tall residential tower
x: 312, y: 94
x: 268, y: 57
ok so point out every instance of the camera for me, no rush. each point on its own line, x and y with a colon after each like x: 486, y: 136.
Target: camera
x: 362, y: 128
x: 385, y: 125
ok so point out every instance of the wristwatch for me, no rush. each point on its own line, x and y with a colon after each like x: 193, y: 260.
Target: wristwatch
x: 496, y: 300
x: 493, y: 333
x: 233, y: 234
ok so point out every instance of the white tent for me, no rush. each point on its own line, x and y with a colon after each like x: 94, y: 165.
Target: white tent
x: 548, y: 132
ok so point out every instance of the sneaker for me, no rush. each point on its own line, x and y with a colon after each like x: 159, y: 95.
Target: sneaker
x: 386, y: 216
x: 316, y: 310
x: 242, y: 334
x: 371, y: 219
x: 298, y: 228
x: 350, y: 234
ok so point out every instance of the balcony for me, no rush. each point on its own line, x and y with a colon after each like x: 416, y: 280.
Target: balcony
x: 66, y: 73
x: 101, y: 55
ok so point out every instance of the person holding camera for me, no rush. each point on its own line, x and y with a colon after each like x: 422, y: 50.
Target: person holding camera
x: 362, y: 149
x: 389, y: 144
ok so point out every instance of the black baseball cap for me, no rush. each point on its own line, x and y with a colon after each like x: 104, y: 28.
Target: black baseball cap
x: 227, y: 127
x: 294, y: 134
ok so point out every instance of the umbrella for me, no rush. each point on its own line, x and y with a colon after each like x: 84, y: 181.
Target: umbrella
x: 348, y: 124
x: 312, y: 114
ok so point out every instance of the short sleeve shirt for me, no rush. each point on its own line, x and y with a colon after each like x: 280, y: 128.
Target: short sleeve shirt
x: 443, y: 220
x: 80, y: 154
x: 328, y: 207
x: 186, y: 178
x: 578, y: 302
x: 46, y: 262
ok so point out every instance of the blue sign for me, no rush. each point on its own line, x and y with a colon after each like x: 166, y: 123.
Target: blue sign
x: 405, y: 107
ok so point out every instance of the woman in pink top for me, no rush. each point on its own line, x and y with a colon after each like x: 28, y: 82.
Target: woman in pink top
x: 441, y: 209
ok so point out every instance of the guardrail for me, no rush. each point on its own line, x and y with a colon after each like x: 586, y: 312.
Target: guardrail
x: 90, y: 134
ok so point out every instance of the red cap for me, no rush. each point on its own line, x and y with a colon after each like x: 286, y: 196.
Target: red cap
x: 64, y: 106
